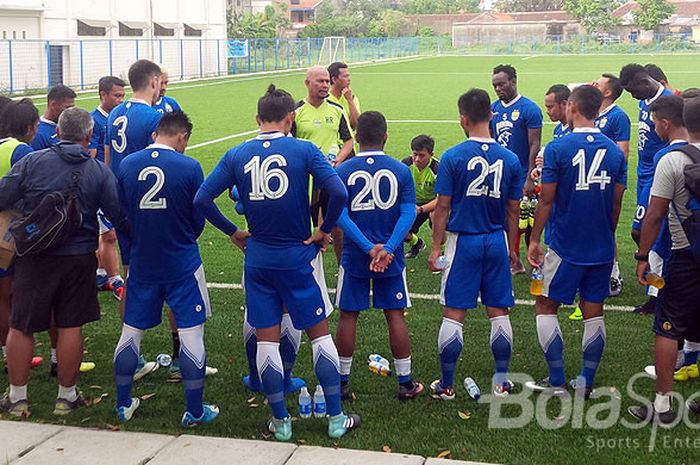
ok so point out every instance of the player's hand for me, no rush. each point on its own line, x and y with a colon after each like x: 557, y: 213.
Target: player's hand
x: 239, y: 237
x: 320, y: 238
x: 535, y: 253
x: 529, y: 188
x: 382, y: 261
x: 375, y: 250
x: 513, y: 258
x: 432, y: 258
x: 535, y: 174
x: 347, y: 93
x: 642, y: 270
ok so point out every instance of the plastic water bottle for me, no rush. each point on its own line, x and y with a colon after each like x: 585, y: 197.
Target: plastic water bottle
x: 536, y: 281
x: 441, y: 262
x: 333, y: 153
x: 379, y: 365
x: 472, y: 388
x: 531, y: 212
x: 523, y: 220
x: 304, y: 403
x: 319, y: 402
x: 164, y: 360
x: 655, y: 280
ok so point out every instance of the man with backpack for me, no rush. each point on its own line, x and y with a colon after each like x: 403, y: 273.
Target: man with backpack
x: 675, y: 193
x: 67, y: 179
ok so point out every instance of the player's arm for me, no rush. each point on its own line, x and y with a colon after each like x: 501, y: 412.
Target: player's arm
x: 337, y: 196
x: 352, y: 232
x: 352, y: 108
x: 346, y: 137
x: 656, y: 212
x: 534, y: 139
x: 617, y: 204
x: 108, y: 159
x: 440, y: 217
x: 625, y: 147
x: 198, y: 219
x: 120, y: 225
x: 512, y: 216
x: 408, y: 213
x: 535, y: 252
x: 427, y: 207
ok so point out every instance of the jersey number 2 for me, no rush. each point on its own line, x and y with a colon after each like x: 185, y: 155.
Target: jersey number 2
x: 147, y: 202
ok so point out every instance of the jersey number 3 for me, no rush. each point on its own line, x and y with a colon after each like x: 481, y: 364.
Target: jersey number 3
x: 147, y: 201
x: 119, y: 144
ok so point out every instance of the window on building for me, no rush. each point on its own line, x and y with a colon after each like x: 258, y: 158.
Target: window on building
x: 192, y: 32
x: 163, y: 31
x: 84, y: 29
x: 14, y: 34
x: 24, y: 34
x: 295, y: 2
x: 4, y: 35
x: 127, y: 31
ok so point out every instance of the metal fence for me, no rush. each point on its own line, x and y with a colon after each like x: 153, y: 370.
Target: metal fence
x: 32, y: 65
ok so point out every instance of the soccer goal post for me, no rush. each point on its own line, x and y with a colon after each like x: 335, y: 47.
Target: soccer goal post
x: 332, y: 50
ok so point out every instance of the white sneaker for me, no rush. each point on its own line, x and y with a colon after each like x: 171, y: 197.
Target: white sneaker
x: 125, y: 413
x: 146, y: 369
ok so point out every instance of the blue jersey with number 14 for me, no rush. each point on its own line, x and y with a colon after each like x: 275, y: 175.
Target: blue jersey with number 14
x: 271, y: 173
x: 586, y: 166
x: 129, y: 129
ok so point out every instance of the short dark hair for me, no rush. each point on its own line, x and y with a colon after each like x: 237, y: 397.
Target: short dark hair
x: 588, y: 100
x: 106, y: 83
x: 275, y: 105
x: 615, y: 85
x: 561, y: 92
x: 175, y: 122
x: 4, y: 102
x: 334, y: 69
x: 17, y: 117
x: 141, y: 73
x: 691, y: 92
x: 632, y: 72
x: 60, y: 93
x: 691, y: 115
x: 669, y: 107
x: 508, y: 69
x: 655, y: 72
x: 423, y: 142
x: 371, y: 128
x: 475, y: 105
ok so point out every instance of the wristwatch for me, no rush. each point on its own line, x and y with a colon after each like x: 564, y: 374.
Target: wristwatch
x: 641, y: 258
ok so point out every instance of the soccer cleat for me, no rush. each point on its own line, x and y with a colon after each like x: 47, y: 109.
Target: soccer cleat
x: 439, y: 392
x: 502, y: 390
x: 345, y: 392
x: 175, y: 376
x: 645, y: 413
x: 282, y: 429
x: 103, y: 283
x: 144, y: 368
x: 693, y: 405
x: 118, y: 290
x: 65, y: 406
x: 125, y: 413
x: 615, y: 287
x: 251, y: 386
x: 87, y: 366
x: 687, y: 372
x: 18, y: 409
x: 293, y: 385
x: 543, y: 386
x: 582, y: 390
x: 415, y: 391
x: 53, y: 371
x: 576, y: 315
x: 649, y: 307
x: 340, y: 425
x: 209, y: 414
x: 416, y: 249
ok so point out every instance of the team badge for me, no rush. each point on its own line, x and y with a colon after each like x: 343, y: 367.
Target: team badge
x: 317, y: 123
x: 485, y: 147
x: 590, y: 138
x: 266, y: 144
x: 505, y: 117
x: 198, y: 308
x: 329, y: 120
x: 603, y: 121
x: 319, y: 311
x: 667, y: 326
x: 515, y: 115
x: 370, y: 161
x: 154, y: 154
x: 168, y: 107
x: 399, y: 295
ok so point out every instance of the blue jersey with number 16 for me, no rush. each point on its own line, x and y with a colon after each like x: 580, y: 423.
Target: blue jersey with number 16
x: 586, y: 166
x: 129, y: 129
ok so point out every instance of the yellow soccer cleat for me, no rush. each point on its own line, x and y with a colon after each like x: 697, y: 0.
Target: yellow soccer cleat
x: 681, y: 374
x: 693, y: 371
x: 577, y: 314
x: 87, y: 366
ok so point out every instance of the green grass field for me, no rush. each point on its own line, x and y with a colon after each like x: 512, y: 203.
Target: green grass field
x: 417, y: 96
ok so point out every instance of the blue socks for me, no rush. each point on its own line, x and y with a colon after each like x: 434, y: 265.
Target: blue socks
x: 552, y: 343
x: 501, y: 347
x: 192, y: 367
x: 251, y: 349
x: 126, y: 356
x: 272, y: 376
x: 593, y: 346
x: 450, y: 342
x: 327, y: 368
x: 690, y: 352
x: 290, y: 340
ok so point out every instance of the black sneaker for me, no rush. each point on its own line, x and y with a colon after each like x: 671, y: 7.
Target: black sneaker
x: 693, y: 406
x: 416, y: 249
x: 53, y: 372
x: 646, y: 308
x: 345, y: 392
x: 415, y: 390
x: 543, y: 386
x: 645, y: 413
x: 584, y: 390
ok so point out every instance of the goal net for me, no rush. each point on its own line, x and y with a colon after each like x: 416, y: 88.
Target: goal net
x: 332, y: 50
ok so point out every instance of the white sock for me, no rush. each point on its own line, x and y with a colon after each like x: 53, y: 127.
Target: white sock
x: 116, y: 278
x: 69, y: 393
x: 680, y: 359
x: 345, y: 365
x: 403, y: 366
x: 53, y: 356
x: 688, y: 346
x: 662, y: 403
x: 616, y: 270
x: 101, y: 272
x: 4, y: 353
x: 18, y: 393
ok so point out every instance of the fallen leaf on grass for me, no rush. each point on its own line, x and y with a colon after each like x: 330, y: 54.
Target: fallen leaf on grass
x: 386, y: 449
x: 301, y: 441
x: 354, y: 397
x: 254, y: 405
x: 251, y: 400
x: 59, y: 449
x: 445, y: 454
x: 148, y: 396
x: 95, y: 386
x: 188, y: 444
x: 464, y: 415
x: 85, y: 420
x: 112, y: 427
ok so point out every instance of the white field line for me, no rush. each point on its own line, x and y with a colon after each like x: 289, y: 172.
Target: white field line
x: 433, y: 297
x: 221, y: 139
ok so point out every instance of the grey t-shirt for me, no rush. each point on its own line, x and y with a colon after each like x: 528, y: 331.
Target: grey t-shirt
x: 669, y: 183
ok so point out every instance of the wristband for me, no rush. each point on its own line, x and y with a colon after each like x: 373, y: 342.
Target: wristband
x: 641, y: 258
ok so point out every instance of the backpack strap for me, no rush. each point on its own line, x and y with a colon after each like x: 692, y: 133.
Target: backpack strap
x: 692, y: 151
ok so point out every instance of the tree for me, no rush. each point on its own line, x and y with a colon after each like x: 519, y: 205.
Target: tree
x: 263, y: 25
x: 441, y: 6
x: 652, y: 13
x: 529, y: 5
x: 594, y: 15
x: 393, y: 22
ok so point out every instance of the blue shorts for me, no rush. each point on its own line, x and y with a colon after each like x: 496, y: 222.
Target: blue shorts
x: 301, y: 291
x: 188, y: 298
x: 643, y: 193
x: 104, y: 224
x: 477, y: 264
x: 562, y: 280
x: 388, y: 293
x: 8, y: 272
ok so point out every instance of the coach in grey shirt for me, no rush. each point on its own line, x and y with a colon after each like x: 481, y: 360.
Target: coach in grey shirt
x: 678, y: 307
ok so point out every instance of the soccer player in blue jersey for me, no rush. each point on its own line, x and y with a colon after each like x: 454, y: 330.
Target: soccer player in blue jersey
x: 517, y: 126
x: 111, y: 92
x: 60, y: 98
x: 380, y: 211
x: 555, y: 100
x: 165, y: 104
x: 157, y: 187
x: 271, y: 173
x: 583, y: 172
x: 479, y: 184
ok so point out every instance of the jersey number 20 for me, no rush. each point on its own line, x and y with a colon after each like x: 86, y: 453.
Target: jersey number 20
x: 371, y: 184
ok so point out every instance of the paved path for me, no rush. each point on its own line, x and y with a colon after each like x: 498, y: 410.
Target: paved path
x: 25, y: 443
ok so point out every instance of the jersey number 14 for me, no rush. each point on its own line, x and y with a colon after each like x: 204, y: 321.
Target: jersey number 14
x: 592, y: 177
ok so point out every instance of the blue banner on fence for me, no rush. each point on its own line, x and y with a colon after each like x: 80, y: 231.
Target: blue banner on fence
x: 237, y: 48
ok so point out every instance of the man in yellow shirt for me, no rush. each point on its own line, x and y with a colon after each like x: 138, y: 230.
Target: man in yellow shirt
x: 341, y: 94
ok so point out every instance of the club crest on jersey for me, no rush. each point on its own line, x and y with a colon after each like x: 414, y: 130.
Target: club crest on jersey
x: 317, y: 123
x: 515, y: 115
x: 168, y: 108
x: 602, y: 122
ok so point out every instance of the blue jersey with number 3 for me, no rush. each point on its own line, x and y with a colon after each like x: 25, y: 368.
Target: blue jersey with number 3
x: 377, y: 187
x: 586, y: 166
x: 481, y: 176
x: 272, y: 175
x: 157, y: 186
x: 129, y: 129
